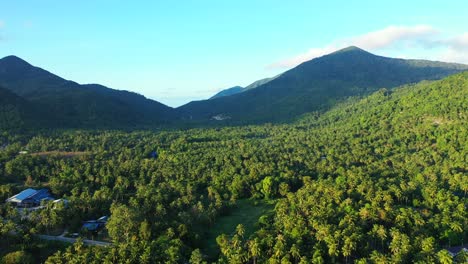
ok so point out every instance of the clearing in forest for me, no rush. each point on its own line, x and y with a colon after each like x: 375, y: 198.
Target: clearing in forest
x: 245, y: 212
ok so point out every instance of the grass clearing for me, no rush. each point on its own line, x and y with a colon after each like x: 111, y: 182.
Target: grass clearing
x: 245, y: 212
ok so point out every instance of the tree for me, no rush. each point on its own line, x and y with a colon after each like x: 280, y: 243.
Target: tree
x: 196, y: 257
x: 18, y: 257
x: 254, y: 249
x: 123, y: 223
x: 444, y: 257
x: 268, y: 187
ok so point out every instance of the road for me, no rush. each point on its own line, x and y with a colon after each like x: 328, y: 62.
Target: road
x: 73, y: 240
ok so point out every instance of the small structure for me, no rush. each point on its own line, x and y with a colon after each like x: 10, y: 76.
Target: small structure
x: 220, y: 117
x: 30, y: 198
x: 95, y: 225
x: 60, y: 201
x: 103, y: 219
x: 454, y: 251
x: 154, y: 155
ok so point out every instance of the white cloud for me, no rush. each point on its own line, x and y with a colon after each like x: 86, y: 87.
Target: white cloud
x: 392, y: 37
x: 459, y: 42
x: 451, y: 55
x: 310, y: 54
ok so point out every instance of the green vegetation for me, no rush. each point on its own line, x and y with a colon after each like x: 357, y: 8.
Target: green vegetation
x: 26, y: 249
x: 228, y: 91
x: 377, y: 180
x: 245, y: 213
x: 239, y: 89
x: 59, y: 103
x: 318, y: 85
x: 38, y: 99
x: 13, y: 111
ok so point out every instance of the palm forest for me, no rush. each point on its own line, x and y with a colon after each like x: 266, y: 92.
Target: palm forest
x: 375, y: 179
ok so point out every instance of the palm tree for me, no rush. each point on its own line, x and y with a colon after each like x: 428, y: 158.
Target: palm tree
x: 254, y: 249
x: 444, y: 257
x: 295, y: 253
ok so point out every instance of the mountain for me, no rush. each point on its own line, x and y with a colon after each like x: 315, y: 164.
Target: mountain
x: 228, y: 91
x: 240, y: 89
x: 14, y: 110
x: 318, y: 84
x: 260, y: 82
x: 69, y: 104
x: 414, y: 136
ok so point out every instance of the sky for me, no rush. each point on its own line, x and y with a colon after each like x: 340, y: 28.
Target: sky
x: 178, y: 51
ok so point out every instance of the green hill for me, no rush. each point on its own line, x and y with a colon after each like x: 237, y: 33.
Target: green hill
x: 318, y: 85
x: 240, y: 89
x: 69, y: 104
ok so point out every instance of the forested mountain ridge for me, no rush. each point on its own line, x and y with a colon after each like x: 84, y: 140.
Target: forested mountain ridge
x: 240, y: 89
x: 67, y: 104
x: 317, y: 85
x: 376, y: 180
x: 228, y: 91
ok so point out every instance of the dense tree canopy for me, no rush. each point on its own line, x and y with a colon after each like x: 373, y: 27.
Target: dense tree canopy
x: 382, y: 179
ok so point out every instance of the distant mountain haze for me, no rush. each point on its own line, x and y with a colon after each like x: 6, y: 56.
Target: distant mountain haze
x: 317, y: 85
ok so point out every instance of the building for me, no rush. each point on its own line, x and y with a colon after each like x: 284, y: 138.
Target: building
x: 95, y: 225
x: 30, y: 198
x: 455, y: 251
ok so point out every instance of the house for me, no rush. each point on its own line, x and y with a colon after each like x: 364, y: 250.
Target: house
x: 92, y: 226
x: 454, y: 251
x: 30, y: 198
x: 95, y: 225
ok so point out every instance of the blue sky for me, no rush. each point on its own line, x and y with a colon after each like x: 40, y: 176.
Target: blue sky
x: 178, y: 51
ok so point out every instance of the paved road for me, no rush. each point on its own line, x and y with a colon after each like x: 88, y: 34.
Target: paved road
x: 72, y: 240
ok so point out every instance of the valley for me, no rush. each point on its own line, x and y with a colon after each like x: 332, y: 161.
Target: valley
x: 374, y: 179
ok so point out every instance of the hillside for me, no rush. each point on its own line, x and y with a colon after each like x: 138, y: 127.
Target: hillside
x: 260, y: 82
x: 318, y: 85
x: 376, y: 180
x: 69, y: 104
x: 228, y: 91
x: 240, y: 89
x: 14, y: 110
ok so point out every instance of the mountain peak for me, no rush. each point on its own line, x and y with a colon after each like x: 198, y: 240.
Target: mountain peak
x: 350, y: 49
x: 14, y: 61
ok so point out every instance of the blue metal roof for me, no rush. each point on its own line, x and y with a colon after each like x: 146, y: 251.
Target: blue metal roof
x: 36, y: 195
x: 91, y: 226
x: 42, y: 194
x: 22, y: 195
